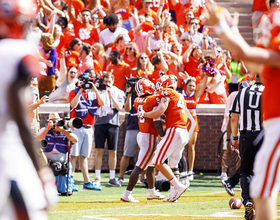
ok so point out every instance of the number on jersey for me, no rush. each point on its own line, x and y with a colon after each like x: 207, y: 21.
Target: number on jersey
x: 181, y: 104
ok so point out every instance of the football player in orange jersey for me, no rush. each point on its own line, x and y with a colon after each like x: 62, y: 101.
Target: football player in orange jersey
x: 146, y: 139
x: 264, y: 187
x: 173, y: 105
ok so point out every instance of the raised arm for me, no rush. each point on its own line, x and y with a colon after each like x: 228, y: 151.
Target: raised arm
x: 235, y: 42
x: 201, y: 88
x: 69, y: 10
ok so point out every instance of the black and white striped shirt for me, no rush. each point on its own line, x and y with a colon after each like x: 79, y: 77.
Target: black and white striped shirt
x: 247, y: 104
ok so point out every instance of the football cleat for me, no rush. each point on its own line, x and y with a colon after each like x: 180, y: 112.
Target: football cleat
x: 154, y: 195
x: 127, y: 197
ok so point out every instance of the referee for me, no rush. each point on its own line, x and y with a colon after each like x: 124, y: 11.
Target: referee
x: 246, y: 114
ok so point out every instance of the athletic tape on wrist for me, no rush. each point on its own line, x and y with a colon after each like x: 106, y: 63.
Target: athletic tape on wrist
x: 221, y: 27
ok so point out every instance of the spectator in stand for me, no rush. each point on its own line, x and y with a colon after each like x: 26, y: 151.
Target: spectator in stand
x: 170, y: 31
x: 238, y: 70
x: 216, y: 88
x: 174, y: 58
x: 131, y: 53
x: 108, y: 36
x: 192, y: 58
x: 47, y: 83
x: 163, y: 16
x: 186, y: 42
x: 65, y: 83
x: 146, y: 9
x: 84, y: 104
x: 221, y: 64
x: 160, y: 67
x: 120, y: 44
x: 188, y: 16
x: 144, y: 67
x: 154, y: 40
x: 87, y: 61
x: 143, y: 25
x: 95, y: 22
x: 198, y: 38
x: 119, y: 69
x: 107, y: 128
x: 124, y: 9
x: 192, y: 95
x: 73, y: 53
x: 83, y: 30
x: 181, y: 9
x: 98, y: 53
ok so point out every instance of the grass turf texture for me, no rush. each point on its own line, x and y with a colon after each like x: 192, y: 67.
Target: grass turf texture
x: 205, y: 199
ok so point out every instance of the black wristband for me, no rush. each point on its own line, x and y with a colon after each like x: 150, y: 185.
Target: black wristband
x: 235, y: 138
x: 228, y: 139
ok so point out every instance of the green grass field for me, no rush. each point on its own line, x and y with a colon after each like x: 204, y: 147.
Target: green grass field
x: 204, y: 199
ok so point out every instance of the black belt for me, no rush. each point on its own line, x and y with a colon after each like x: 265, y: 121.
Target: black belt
x: 87, y: 126
x: 245, y: 131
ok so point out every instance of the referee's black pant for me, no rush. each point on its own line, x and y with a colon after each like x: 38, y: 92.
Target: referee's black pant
x: 248, y: 152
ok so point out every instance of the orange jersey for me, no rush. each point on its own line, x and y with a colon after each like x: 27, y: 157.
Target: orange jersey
x: 154, y: 77
x: 140, y: 73
x: 87, y: 34
x: 192, y: 67
x: 132, y: 64
x: 176, y: 115
x: 181, y: 9
x: 259, y: 5
x: 120, y: 71
x: 78, y: 5
x: 97, y: 67
x: 125, y: 12
x: 73, y: 59
x: 271, y: 75
x: 150, y: 13
x: 154, y: 5
x: 69, y: 34
x: 146, y: 125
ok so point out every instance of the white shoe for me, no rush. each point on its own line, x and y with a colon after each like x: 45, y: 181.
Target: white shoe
x: 175, y: 193
x: 127, y: 197
x: 97, y: 181
x: 154, y: 195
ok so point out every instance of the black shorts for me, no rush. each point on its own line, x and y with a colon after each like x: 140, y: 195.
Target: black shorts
x: 106, y: 132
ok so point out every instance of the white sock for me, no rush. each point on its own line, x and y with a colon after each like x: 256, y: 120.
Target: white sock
x: 175, y: 182
x: 112, y: 174
x: 152, y: 190
x: 128, y: 192
x: 97, y: 174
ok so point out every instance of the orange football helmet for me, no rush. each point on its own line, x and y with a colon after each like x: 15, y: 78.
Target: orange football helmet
x: 166, y: 81
x: 14, y: 15
x: 144, y: 87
